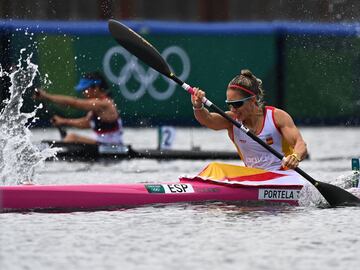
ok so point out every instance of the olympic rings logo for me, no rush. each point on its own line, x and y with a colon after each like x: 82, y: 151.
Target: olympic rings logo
x: 145, y: 78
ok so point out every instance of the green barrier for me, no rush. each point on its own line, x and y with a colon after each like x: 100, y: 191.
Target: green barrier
x: 323, y: 78
x: 57, y: 61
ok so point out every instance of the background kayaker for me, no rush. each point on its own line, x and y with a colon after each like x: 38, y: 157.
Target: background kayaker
x: 103, y: 116
x: 244, y: 97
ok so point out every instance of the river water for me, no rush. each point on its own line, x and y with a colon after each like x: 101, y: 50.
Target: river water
x: 188, y: 236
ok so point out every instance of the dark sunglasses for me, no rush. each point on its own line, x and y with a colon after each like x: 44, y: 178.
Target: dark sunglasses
x: 236, y: 104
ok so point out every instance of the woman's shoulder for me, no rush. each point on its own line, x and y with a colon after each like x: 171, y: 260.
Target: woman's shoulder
x: 280, y: 116
x: 276, y: 110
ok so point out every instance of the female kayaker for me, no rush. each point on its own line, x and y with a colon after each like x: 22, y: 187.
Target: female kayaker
x: 102, y: 116
x: 244, y: 97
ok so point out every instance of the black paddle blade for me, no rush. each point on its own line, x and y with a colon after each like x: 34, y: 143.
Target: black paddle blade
x: 336, y: 196
x: 138, y: 46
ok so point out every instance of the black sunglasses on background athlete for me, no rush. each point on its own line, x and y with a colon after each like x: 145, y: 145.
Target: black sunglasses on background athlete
x: 236, y: 104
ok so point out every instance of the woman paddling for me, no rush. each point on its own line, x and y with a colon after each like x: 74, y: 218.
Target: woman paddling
x: 244, y: 96
x: 102, y: 115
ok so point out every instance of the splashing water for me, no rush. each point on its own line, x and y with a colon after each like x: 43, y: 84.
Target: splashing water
x: 310, y: 196
x: 18, y: 156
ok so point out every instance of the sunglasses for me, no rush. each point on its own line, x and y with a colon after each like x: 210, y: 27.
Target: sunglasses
x: 236, y: 104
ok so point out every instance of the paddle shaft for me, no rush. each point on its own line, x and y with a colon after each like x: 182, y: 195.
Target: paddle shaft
x: 215, y: 108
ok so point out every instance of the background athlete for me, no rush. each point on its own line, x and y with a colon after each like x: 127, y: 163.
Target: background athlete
x: 103, y: 116
x: 244, y: 96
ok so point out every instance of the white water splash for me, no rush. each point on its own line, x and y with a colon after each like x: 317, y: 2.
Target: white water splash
x: 310, y: 196
x: 18, y: 155
x: 347, y: 181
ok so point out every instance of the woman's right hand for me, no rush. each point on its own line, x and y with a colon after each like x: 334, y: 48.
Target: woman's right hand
x: 196, y: 98
x: 58, y: 121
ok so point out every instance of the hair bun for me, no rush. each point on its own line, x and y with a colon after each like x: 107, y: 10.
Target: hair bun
x: 246, y: 73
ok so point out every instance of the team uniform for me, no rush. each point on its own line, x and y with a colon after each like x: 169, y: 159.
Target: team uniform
x: 107, y: 132
x: 256, y: 156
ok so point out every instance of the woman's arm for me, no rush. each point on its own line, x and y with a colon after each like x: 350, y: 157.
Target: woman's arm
x: 204, y: 117
x: 82, y: 104
x: 83, y: 122
x: 292, y: 135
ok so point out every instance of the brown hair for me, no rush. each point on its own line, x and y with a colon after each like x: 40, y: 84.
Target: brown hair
x: 249, y: 84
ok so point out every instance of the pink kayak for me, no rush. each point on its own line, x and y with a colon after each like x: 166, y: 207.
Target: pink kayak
x: 112, y: 196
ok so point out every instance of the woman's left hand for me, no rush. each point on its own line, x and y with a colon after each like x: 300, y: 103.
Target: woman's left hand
x: 40, y: 94
x: 291, y: 161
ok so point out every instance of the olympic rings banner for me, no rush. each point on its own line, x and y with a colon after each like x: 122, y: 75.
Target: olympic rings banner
x: 311, y: 70
x: 144, y: 76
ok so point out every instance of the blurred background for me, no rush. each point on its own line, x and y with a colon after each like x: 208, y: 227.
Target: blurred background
x: 183, y: 10
x: 306, y: 52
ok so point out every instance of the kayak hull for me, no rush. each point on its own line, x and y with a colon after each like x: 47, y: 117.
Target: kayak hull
x: 109, y: 196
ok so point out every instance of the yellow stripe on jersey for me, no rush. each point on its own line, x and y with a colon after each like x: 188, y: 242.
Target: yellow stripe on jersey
x: 286, y: 148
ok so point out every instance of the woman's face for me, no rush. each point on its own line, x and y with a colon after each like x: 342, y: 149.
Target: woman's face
x: 242, y: 112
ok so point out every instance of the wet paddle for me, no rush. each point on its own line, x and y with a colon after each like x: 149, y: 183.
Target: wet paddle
x: 142, y: 49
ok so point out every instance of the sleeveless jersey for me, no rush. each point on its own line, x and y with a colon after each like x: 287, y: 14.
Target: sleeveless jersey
x: 107, y: 132
x: 256, y: 156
